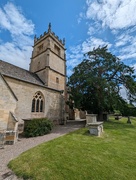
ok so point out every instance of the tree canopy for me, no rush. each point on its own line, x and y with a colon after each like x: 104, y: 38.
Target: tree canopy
x: 96, y: 82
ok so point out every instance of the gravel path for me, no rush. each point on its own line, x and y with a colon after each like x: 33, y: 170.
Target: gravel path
x: 12, y: 151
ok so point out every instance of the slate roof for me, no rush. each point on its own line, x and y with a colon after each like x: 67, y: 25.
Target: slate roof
x: 13, y: 71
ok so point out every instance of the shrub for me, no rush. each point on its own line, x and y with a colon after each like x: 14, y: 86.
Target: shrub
x: 37, y: 127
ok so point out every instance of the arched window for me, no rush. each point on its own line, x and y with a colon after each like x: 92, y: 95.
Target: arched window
x: 37, y: 102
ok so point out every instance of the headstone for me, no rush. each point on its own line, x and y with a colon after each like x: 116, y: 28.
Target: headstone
x: 77, y: 114
x: 91, y: 118
x: 96, y: 128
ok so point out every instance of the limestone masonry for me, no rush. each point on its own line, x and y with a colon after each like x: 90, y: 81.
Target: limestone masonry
x: 39, y: 92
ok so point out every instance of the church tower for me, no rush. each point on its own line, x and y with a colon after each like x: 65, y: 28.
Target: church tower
x: 48, y: 60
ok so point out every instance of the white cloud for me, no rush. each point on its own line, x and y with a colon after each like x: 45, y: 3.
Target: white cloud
x: 81, y: 16
x: 91, y: 30
x: 18, y: 50
x: 128, y: 50
x: 134, y: 66
x: 123, y: 93
x: 74, y: 56
x: 127, y: 56
x: 93, y: 42
x: 14, y: 55
x: 123, y: 40
x: 115, y: 14
x: 115, y: 21
x: 12, y: 19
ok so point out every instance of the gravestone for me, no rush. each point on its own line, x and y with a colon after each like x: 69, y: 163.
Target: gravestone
x: 91, y: 118
x: 96, y: 128
x: 77, y: 114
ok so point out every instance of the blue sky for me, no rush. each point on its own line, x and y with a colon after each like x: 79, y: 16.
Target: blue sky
x: 84, y: 24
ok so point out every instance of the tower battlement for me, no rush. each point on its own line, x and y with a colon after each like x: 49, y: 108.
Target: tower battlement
x: 45, y: 34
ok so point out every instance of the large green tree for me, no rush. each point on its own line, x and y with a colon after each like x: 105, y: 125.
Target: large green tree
x: 97, y: 80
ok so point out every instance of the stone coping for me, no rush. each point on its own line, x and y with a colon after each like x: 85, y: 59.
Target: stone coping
x: 10, y: 131
x: 94, y: 124
x: 91, y: 114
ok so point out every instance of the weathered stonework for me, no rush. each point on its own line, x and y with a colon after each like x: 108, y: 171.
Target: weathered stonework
x: 96, y: 128
x: 7, y: 103
x: 47, y: 75
x: 25, y: 91
x: 48, y: 60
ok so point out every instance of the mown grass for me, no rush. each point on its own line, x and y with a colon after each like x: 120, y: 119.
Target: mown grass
x: 79, y: 156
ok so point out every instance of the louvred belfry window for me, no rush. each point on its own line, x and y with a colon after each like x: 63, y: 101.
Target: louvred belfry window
x: 37, y: 102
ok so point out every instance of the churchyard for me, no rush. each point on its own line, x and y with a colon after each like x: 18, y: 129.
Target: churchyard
x: 79, y: 155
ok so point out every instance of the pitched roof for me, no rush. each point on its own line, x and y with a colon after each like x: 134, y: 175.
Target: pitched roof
x: 13, y: 71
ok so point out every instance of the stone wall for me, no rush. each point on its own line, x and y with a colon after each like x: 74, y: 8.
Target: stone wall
x: 57, y: 63
x: 25, y: 92
x: 7, y: 103
x: 12, y: 122
x: 53, y: 76
x: 39, y: 62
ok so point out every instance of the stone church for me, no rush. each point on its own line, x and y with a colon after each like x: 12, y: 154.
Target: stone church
x: 39, y: 92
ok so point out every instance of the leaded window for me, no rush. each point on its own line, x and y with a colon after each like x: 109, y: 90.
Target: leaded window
x: 37, y: 102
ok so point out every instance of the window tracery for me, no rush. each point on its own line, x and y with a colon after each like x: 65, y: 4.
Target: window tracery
x: 37, y: 102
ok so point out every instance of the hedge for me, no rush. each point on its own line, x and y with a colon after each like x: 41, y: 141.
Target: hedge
x: 37, y: 127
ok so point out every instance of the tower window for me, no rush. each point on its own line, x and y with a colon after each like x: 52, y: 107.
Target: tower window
x: 40, y: 48
x: 38, y: 65
x: 57, y: 80
x: 37, y: 102
x: 57, y: 50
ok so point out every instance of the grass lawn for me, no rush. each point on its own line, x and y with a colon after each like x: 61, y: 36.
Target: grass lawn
x: 79, y: 156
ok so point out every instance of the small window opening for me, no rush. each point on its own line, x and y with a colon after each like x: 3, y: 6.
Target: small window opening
x: 57, y: 50
x: 40, y: 48
x: 57, y: 80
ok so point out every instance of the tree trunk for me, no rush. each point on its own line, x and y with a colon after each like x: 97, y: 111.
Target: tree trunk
x: 129, y: 121
x: 100, y: 116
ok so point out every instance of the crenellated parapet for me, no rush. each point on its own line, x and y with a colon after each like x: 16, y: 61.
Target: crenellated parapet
x: 45, y: 34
